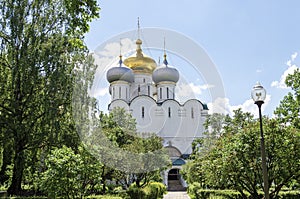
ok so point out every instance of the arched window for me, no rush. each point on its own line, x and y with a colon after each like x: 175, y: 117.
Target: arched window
x: 169, y: 112
x: 167, y: 92
x: 148, y: 90
x: 160, y: 93
x: 143, y: 112
x: 192, y: 112
x: 119, y: 92
x: 139, y: 89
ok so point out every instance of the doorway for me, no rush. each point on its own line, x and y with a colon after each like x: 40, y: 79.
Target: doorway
x: 174, y: 183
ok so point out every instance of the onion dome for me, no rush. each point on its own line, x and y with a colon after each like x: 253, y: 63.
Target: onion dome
x: 165, y: 73
x: 140, y: 63
x: 120, y: 73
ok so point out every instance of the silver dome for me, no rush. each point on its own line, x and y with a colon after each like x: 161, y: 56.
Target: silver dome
x: 165, y: 73
x: 120, y: 73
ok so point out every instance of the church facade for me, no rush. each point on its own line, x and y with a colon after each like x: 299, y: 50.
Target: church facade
x: 147, y: 91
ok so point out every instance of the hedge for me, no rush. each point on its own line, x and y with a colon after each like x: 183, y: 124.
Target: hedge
x: 89, y: 197
x: 104, y: 197
x: 196, y: 192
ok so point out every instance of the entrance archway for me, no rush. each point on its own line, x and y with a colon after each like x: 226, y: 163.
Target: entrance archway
x: 174, y: 174
x: 174, y: 180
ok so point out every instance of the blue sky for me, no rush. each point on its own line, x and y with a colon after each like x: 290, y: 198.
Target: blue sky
x: 248, y: 40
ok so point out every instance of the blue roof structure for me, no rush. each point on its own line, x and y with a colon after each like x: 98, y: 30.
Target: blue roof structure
x: 178, y: 162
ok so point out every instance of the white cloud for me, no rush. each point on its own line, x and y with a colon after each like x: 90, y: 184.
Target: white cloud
x: 290, y: 70
x: 99, y: 92
x: 113, y: 49
x: 108, y: 56
x: 294, y: 56
x: 197, y: 89
x: 222, y: 105
x: 185, y: 91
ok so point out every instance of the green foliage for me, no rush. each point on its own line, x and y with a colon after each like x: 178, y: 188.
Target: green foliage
x: 104, y: 197
x: 119, y: 126
x: 289, y: 194
x: 222, y: 194
x: 70, y: 175
x: 153, y: 190
x: 135, y: 192
x: 196, y: 192
x: 117, y: 141
x: 88, y: 197
x: 234, y: 161
x: 41, y: 44
x: 288, y: 111
x: 157, y: 190
x: 31, y: 197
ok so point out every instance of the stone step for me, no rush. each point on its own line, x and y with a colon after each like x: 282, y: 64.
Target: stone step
x: 175, y: 185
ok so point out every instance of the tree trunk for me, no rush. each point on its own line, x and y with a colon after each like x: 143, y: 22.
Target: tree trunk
x: 103, y: 181
x: 6, y: 160
x: 19, y: 160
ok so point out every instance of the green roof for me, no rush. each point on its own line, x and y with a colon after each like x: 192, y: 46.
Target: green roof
x: 178, y: 162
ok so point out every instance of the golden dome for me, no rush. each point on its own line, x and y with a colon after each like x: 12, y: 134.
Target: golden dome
x: 140, y: 63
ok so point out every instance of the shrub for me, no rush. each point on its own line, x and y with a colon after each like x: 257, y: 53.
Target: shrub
x: 196, y: 192
x: 153, y: 190
x: 224, y: 194
x: 69, y: 175
x: 104, y: 197
x: 157, y: 189
x: 136, y: 193
x: 192, y: 189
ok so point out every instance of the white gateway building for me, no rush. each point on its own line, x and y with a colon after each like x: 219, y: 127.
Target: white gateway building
x: 148, y: 93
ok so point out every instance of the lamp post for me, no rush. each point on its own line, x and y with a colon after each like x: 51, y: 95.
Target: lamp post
x: 259, y: 95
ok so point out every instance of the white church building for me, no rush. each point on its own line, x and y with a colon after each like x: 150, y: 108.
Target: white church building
x: 147, y: 91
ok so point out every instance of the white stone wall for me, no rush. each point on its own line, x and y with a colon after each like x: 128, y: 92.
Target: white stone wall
x: 165, y: 90
x: 120, y: 90
x: 142, y: 85
x: 177, y: 124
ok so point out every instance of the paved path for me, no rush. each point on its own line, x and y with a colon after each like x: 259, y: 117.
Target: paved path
x: 176, y: 195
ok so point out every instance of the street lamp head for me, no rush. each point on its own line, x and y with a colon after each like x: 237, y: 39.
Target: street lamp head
x: 258, y: 93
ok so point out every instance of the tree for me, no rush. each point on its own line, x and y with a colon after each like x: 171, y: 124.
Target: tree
x: 128, y: 156
x: 214, y: 128
x: 234, y: 162
x: 147, y: 147
x: 70, y: 174
x: 41, y: 43
x: 288, y: 110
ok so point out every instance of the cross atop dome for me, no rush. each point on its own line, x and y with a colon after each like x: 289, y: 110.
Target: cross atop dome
x: 140, y: 63
x: 165, y: 54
